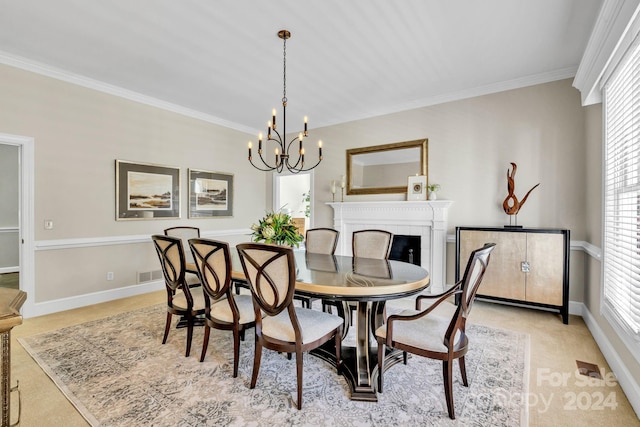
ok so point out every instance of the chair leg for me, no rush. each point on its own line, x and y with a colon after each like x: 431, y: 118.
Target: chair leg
x: 205, y: 342
x: 166, y: 328
x: 236, y: 350
x: 381, y: 348
x: 299, y: 372
x: 256, y: 364
x: 448, y: 386
x: 404, y: 357
x: 463, y: 371
x: 339, y: 349
x: 189, y: 335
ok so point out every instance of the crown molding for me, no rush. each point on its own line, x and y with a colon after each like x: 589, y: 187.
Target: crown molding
x: 59, y: 74
x: 614, y: 20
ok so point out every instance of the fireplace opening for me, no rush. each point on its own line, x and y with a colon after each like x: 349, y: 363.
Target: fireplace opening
x: 406, y: 248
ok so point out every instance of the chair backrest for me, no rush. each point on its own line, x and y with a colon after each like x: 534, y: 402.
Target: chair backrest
x: 473, y: 274
x: 213, y: 261
x: 371, y: 244
x: 184, y: 233
x: 171, y: 255
x: 270, y: 271
x: 321, y: 240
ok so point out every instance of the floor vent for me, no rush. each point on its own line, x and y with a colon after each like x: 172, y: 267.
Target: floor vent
x: 589, y: 369
x: 149, y: 276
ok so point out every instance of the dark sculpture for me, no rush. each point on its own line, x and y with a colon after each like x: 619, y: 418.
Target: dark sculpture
x: 511, y: 205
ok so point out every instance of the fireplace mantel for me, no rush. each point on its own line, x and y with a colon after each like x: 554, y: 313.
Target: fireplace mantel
x: 427, y: 219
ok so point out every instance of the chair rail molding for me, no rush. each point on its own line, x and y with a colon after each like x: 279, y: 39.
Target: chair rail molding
x: 427, y: 219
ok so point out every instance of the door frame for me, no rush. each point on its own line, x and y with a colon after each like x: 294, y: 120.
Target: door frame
x: 26, y: 159
x: 276, y: 191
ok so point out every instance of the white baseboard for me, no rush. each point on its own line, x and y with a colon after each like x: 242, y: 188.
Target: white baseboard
x: 4, y: 270
x: 54, y: 306
x: 625, y: 379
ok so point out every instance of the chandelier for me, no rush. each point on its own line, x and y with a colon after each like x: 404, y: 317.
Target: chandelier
x: 283, y: 150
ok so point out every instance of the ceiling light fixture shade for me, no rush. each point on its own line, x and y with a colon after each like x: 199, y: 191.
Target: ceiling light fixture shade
x: 282, y: 149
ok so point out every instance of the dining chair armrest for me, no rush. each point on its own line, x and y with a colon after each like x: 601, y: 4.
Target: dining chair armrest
x: 399, y: 317
x: 446, y: 293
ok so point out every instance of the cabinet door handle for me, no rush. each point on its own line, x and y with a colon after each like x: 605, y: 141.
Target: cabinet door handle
x: 524, y: 266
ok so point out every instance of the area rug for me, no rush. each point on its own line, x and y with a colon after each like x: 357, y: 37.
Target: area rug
x: 117, y: 373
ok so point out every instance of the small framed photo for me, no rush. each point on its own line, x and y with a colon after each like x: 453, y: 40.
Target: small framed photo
x: 417, y: 188
x: 147, y: 191
x: 210, y: 194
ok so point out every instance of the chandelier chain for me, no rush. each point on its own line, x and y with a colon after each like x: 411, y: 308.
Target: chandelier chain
x: 284, y: 72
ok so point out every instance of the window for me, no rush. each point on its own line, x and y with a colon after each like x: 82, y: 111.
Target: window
x: 621, y: 267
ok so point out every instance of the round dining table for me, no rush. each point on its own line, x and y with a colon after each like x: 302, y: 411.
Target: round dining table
x: 366, y: 284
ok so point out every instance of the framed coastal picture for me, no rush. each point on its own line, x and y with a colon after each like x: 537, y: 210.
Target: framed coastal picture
x: 146, y: 191
x: 210, y: 194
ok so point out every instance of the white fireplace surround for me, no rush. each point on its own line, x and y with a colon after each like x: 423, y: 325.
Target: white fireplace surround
x: 426, y: 219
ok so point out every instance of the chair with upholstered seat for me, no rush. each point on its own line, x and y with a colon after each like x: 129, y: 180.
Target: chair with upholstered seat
x: 182, y: 299
x: 319, y: 241
x: 371, y: 244
x: 223, y: 310
x: 426, y: 333
x: 184, y: 234
x: 271, y: 273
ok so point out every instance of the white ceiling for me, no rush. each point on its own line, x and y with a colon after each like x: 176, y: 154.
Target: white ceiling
x: 346, y: 60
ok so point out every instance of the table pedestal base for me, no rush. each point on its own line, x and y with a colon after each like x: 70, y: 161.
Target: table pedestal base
x: 360, y: 363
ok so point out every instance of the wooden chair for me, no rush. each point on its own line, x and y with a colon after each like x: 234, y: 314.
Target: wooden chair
x: 443, y: 338
x: 371, y: 244
x: 223, y: 310
x: 319, y: 241
x: 182, y: 299
x: 270, y: 271
x: 184, y: 234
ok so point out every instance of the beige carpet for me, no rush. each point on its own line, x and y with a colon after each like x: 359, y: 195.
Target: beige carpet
x: 116, y: 372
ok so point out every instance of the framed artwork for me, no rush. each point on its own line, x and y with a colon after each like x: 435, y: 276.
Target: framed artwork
x: 210, y: 194
x: 417, y: 188
x: 146, y: 191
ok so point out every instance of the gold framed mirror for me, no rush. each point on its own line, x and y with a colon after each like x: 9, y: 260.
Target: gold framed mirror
x: 385, y: 169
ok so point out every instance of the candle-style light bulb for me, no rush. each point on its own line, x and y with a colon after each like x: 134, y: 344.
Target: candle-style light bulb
x: 300, y: 139
x: 269, y: 129
x: 320, y: 149
x: 250, y: 145
x: 305, y: 125
x: 273, y: 118
x: 260, y: 142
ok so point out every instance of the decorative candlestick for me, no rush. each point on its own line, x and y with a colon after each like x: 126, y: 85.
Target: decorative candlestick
x: 342, y: 185
x: 333, y: 190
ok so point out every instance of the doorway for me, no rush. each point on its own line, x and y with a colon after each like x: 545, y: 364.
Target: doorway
x: 16, y: 216
x: 9, y: 216
x: 292, y: 195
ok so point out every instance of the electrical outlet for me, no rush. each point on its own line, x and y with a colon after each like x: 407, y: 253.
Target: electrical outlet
x: 48, y: 224
x: 110, y: 275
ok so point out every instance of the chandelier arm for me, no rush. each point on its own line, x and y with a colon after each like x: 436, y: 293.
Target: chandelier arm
x: 258, y: 167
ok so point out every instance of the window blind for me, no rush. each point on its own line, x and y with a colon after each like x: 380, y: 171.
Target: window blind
x: 621, y: 256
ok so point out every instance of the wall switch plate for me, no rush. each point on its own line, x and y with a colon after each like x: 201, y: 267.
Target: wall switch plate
x: 48, y: 224
x: 110, y: 275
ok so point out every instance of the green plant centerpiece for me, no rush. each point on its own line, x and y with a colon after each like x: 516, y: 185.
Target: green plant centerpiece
x: 276, y: 228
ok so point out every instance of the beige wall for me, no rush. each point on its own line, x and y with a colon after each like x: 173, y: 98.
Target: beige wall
x: 79, y: 133
x: 471, y: 143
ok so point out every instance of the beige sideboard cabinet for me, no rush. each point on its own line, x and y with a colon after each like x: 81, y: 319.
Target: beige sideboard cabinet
x: 529, y: 266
